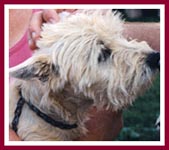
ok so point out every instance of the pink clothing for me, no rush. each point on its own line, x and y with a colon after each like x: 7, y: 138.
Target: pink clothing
x: 20, y: 51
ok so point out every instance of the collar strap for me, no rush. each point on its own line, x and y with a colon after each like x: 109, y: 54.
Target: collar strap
x: 42, y: 115
x: 17, y: 113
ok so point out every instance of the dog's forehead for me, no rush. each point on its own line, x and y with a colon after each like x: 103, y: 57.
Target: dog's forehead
x: 105, y: 26
x: 98, y: 20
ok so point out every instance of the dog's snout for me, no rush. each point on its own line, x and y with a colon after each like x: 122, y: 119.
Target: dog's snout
x: 153, y: 60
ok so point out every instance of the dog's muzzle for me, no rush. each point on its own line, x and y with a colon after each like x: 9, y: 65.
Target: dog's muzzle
x: 153, y: 60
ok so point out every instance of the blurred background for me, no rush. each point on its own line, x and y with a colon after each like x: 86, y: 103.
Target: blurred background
x: 140, y: 15
x: 140, y: 119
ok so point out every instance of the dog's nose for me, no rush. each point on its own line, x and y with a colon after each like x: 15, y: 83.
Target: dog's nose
x: 153, y: 60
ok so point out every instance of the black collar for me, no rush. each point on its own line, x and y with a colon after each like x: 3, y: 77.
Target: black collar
x: 46, y: 118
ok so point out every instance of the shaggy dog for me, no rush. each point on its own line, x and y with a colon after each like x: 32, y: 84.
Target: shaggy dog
x: 83, y: 61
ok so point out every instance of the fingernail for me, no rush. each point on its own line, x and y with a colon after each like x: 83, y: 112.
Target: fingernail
x: 33, y: 35
x: 30, y: 42
x: 51, y: 20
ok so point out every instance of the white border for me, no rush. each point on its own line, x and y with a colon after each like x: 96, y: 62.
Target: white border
x: 103, y: 143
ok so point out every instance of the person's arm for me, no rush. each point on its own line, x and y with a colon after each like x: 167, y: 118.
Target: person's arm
x: 104, y: 125
x: 149, y: 32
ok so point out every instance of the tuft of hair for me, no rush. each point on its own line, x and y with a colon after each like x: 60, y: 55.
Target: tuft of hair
x: 98, y: 21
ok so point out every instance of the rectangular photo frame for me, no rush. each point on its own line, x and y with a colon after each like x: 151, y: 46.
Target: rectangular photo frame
x: 161, y: 142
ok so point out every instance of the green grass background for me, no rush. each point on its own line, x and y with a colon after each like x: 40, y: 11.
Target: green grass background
x: 139, y: 119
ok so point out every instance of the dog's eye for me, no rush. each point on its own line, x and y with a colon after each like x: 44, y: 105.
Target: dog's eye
x: 55, y: 69
x: 104, y: 54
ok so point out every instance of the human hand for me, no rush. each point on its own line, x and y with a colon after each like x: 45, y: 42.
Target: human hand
x: 13, y: 136
x: 38, y: 18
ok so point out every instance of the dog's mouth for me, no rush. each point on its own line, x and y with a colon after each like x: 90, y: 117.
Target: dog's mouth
x: 153, y: 60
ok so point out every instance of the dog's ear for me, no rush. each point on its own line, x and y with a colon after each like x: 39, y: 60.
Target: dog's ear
x: 35, y: 67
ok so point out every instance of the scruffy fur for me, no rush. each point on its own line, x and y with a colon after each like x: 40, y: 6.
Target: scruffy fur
x: 83, y: 61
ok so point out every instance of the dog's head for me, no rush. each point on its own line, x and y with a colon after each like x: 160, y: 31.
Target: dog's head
x: 88, y: 52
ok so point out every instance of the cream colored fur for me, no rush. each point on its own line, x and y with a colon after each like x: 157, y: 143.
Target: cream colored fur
x: 65, y: 78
